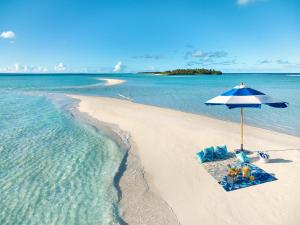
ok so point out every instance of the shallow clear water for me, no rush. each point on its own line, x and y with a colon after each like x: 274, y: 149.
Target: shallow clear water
x: 53, y: 170
x: 57, y: 170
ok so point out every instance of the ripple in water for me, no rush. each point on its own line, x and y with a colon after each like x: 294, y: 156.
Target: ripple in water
x: 52, y: 169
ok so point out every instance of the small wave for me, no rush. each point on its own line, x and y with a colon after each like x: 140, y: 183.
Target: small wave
x: 295, y: 75
x: 125, y: 97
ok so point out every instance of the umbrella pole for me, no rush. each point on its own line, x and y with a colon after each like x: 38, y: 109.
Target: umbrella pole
x: 242, y: 128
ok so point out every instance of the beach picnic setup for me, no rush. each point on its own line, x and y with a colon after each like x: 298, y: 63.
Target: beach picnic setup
x: 233, y: 170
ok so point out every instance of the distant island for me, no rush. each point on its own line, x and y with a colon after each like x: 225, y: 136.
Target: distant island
x: 187, y: 72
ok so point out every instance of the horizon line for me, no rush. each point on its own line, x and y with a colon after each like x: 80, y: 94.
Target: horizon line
x: 94, y: 73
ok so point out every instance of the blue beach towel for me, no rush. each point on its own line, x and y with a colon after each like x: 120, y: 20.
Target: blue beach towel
x: 260, y: 177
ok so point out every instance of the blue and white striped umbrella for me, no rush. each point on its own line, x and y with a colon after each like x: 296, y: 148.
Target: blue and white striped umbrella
x: 242, y: 96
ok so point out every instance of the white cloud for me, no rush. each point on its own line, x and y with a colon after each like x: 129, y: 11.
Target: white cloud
x: 42, y: 69
x: 119, y: 67
x: 264, y: 61
x: 8, y: 34
x: 60, y: 67
x: 34, y: 69
x: 205, y: 56
x: 199, y: 54
x: 17, y: 68
x: 282, y: 61
x: 26, y: 69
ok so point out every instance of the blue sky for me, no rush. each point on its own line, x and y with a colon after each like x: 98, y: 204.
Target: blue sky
x: 131, y: 35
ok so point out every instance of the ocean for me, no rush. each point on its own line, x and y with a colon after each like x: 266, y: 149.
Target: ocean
x: 58, y: 169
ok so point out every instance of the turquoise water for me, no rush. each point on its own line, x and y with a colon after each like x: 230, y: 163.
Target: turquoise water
x: 55, y: 169
x: 181, y: 93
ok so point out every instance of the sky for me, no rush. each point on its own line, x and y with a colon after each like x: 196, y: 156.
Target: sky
x: 142, y: 35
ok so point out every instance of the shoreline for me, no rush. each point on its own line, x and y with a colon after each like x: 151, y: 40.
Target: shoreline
x: 121, y: 138
x: 109, y: 114
x: 130, y: 176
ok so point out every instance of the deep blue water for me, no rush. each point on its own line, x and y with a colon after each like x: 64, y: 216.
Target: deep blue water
x: 55, y: 168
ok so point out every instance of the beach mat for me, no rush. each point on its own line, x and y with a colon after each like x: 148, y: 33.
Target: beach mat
x: 218, y: 170
x: 260, y: 177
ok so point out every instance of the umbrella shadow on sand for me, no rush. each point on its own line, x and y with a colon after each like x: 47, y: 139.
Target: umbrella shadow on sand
x: 279, y: 160
x: 283, y: 150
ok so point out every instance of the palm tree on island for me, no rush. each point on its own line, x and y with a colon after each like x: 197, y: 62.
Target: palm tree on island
x: 188, y: 72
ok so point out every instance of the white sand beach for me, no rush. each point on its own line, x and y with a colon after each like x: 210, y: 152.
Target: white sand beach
x: 165, y: 142
x: 112, y: 82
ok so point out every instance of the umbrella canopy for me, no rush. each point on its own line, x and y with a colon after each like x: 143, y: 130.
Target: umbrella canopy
x: 242, y: 96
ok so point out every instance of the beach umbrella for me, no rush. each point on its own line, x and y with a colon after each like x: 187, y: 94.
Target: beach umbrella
x: 242, y: 97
